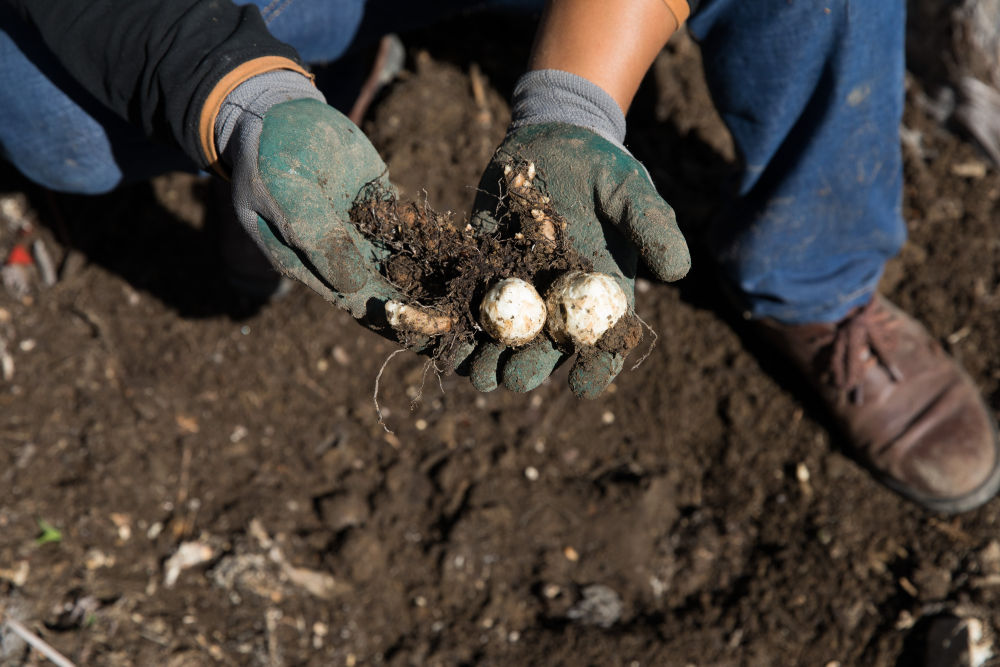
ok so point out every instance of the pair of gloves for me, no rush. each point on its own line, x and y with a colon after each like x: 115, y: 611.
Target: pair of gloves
x: 297, y: 165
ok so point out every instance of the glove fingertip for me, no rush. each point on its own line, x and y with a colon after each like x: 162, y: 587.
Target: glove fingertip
x: 483, y: 369
x: 654, y: 231
x: 462, y: 361
x: 668, y: 262
x: 527, y: 369
x: 592, y: 373
x: 344, y: 267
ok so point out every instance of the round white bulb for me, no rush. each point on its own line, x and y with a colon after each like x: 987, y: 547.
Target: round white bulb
x: 512, y: 312
x: 583, y: 306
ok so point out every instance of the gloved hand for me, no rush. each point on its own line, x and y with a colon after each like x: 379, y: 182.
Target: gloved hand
x: 572, y: 131
x: 297, y: 166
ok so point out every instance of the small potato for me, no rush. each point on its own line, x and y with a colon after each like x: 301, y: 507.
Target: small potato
x: 512, y: 312
x: 583, y: 306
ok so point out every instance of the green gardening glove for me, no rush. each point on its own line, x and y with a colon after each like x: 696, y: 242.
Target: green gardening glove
x: 572, y: 130
x: 297, y: 167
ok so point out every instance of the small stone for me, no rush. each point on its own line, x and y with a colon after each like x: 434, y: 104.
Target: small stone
x: 188, y: 555
x: 571, y: 554
x: 154, y: 531
x: 96, y: 559
x: 989, y: 558
x: 531, y: 472
x: 600, y: 606
x: 124, y: 524
x: 187, y: 424
x: 17, y: 575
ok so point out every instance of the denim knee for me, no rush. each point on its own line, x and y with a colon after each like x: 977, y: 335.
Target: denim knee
x: 80, y: 164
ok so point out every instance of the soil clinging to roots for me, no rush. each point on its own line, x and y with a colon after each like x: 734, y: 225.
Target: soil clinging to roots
x: 444, y: 266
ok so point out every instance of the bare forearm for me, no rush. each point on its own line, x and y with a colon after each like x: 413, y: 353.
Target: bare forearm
x: 611, y: 43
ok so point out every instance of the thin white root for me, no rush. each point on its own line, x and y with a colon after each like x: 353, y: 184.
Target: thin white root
x: 378, y: 378
x: 404, y: 317
x: 652, y: 343
x: 38, y: 643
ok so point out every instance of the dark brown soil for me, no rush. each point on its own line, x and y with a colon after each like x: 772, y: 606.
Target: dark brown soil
x: 444, y: 264
x: 700, y: 512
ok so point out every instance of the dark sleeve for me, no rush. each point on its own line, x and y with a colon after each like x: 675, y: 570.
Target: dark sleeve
x: 154, y: 62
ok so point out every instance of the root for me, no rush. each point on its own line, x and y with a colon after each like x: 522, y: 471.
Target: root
x: 652, y: 343
x: 378, y: 378
x: 442, y: 267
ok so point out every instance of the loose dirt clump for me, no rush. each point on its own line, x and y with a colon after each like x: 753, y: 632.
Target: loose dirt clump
x: 444, y: 266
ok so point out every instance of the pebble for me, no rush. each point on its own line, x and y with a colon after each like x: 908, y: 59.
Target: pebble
x: 188, y: 554
x: 154, y: 531
x: 17, y: 575
x: 340, y: 356
x: 600, y: 606
x: 531, y: 472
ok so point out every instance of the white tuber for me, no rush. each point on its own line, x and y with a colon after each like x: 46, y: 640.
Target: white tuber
x: 403, y: 317
x: 512, y: 312
x: 583, y: 306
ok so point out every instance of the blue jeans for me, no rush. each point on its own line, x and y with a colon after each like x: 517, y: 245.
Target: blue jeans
x: 811, y: 92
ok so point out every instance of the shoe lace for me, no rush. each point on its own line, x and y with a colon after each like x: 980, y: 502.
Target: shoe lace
x: 863, y: 339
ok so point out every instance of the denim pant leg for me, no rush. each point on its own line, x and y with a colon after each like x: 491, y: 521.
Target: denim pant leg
x: 57, y: 134
x: 812, y: 93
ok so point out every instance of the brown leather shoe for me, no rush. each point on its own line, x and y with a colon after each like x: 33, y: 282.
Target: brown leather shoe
x: 907, y: 407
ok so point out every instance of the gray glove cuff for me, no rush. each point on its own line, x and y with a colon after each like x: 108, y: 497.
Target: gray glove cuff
x: 554, y: 96
x: 255, y: 96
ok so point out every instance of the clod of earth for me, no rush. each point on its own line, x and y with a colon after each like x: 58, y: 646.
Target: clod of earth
x: 458, y: 280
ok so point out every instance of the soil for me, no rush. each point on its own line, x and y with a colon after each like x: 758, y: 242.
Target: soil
x: 700, y: 512
x: 444, y: 266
